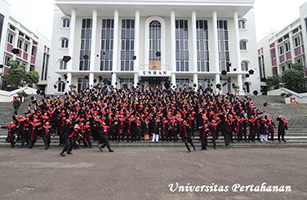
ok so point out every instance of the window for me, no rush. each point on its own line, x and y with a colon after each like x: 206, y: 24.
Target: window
x: 154, y: 41
x: 181, y: 83
x: 287, y: 46
x: 83, y: 83
x: 127, y: 45
x: 204, y: 83
x: 33, y: 51
x: 25, y: 47
x: 261, y: 67
x: 289, y: 65
x: 281, y: 50
x: 182, y: 45
x: 223, y: 45
x: 106, y: 54
x: 66, y: 23
x: 12, y: 27
x: 283, y: 68
x: 244, y: 66
x: 86, y: 40
x: 19, y: 43
x: 7, y: 60
x: 10, y: 38
x: 202, y: 46
x: 64, y: 43
x: 126, y: 82
x: 297, y: 41
x: 242, y: 24
x: 45, y: 67
x: 63, y: 65
x: 243, y: 45
x: 1, y: 25
x: 61, y: 86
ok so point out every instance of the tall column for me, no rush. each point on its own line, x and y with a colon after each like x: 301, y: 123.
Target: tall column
x: 114, y: 77
x: 93, y: 48
x: 15, y: 45
x: 136, y: 46
x: 71, y: 46
x: 216, y: 50
x: 30, y: 54
x: 115, y: 41
x: 173, y: 47
x: 292, y: 48
x: 238, y: 51
x: 194, y: 50
x: 279, y: 71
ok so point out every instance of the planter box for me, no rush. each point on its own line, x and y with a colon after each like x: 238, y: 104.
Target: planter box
x: 289, y: 100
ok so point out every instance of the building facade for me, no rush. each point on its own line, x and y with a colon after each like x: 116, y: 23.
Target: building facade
x: 34, y: 48
x: 154, y: 43
x: 277, y: 52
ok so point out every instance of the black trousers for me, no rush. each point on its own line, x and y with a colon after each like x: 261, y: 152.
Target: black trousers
x: 226, y: 138
x: 46, y: 142
x: 251, y: 135
x: 204, y: 142
x: 68, y: 145
x: 33, y: 141
x: 282, y: 134
x: 103, y: 142
x: 186, y: 141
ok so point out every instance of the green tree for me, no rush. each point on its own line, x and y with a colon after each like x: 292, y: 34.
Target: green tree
x: 31, y: 77
x: 15, y: 75
x: 293, y: 78
x: 298, y: 66
x: 273, y: 81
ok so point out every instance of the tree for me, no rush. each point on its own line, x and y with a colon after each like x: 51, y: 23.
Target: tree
x: 273, y: 81
x: 298, y: 66
x: 293, y: 79
x: 15, y: 75
x: 31, y: 77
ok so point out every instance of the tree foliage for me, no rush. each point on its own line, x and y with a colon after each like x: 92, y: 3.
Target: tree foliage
x: 273, y: 81
x: 18, y: 76
x: 293, y: 78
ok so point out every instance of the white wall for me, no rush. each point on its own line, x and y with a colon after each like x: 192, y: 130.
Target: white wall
x: 5, y: 11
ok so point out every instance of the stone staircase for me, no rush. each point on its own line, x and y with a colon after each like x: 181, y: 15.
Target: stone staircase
x: 296, y: 136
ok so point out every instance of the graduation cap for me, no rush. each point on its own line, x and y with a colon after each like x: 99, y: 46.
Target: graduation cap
x: 65, y: 76
x: 194, y: 85
x: 42, y: 93
x: 224, y: 72
x: 1, y: 66
x: 247, y: 75
x: 100, y: 78
x: 255, y: 92
x: 224, y: 84
x: 86, y: 77
x: 65, y: 93
x: 38, y: 91
x: 234, y: 69
x: 32, y: 98
x: 265, y: 104
x: 174, y: 86
x: 251, y: 71
x: 55, y: 86
x: 211, y: 85
x: 59, y: 79
x: 158, y: 54
x: 213, y: 79
x: 138, y: 83
x: 115, y: 83
x: 134, y: 58
x: 103, y: 53
x: 67, y: 81
x: 85, y: 57
x: 218, y: 86
x: 95, y: 80
x: 15, y: 51
x: 233, y: 85
x: 66, y: 58
x: 229, y: 64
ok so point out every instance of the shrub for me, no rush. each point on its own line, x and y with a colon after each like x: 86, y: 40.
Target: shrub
x: 283, y: 94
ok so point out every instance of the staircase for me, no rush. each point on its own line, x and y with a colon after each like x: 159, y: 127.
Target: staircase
x: 296, y: 136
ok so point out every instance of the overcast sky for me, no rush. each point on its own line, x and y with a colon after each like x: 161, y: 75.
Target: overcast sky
x: 269, y: 14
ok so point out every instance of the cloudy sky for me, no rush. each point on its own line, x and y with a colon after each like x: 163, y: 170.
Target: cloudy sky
x: 270, y: 14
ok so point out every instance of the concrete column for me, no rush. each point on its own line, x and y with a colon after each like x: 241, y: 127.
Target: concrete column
x: 91, y: 80
x: 93, y: 48
x: 292, y: 48
x: 195, y: 81
x: 137, y: 41
x: 114, y: 80
x: 69, y: 78
x: 115, y: 41
x: 238, y: 51
x: 194, y: 41
x: 136, y: 79
x: 216, y: 51
x: 71, y: 45
x: 173, y: 46
x: 279, y: 71
x: 30, y: 54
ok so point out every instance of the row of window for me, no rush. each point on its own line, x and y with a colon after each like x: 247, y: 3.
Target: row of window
x: 24, y: 45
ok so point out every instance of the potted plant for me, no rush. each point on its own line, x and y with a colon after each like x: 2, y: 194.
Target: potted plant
x: 288, y: 98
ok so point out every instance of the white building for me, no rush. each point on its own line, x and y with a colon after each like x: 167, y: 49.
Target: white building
x: 34, y: 48
x: 153, y: 42
x: 277, y: 52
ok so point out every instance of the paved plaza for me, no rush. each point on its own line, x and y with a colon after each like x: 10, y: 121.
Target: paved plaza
x: 145, y: 173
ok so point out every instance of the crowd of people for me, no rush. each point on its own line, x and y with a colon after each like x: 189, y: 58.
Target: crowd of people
x: 107, y: 114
